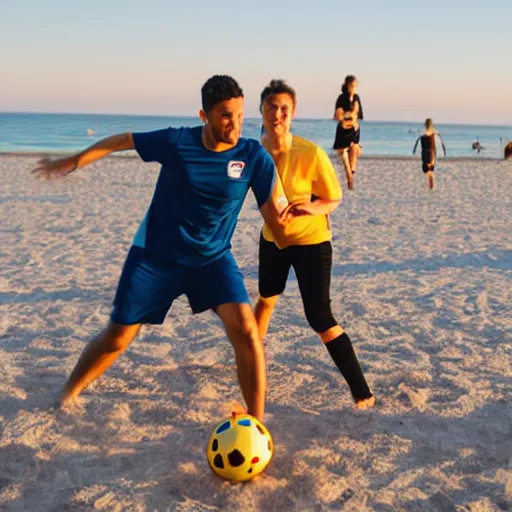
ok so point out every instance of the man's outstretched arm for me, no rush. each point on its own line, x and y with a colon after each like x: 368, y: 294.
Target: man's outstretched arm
x: 62, y: 166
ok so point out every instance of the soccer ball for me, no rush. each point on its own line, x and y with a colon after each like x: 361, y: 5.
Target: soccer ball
x: 239, y: 448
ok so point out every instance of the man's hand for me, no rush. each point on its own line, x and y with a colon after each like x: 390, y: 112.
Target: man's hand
x: 48, y: 168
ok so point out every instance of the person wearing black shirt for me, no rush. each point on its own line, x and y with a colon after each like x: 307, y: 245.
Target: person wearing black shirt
x: 348, y: 112
x: 428, y: 150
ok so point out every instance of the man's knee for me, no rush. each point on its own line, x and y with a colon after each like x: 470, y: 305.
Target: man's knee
x: 117, y: 338
x: 247, y: 329
x: 238, y: 320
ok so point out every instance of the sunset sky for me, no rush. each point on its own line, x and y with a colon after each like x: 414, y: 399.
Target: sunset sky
x: 444, y: 59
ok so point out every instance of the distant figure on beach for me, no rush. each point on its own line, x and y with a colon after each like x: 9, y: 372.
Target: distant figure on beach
x: 183, y: 245
x: 476, y: 146
x: 428, y: 150
x: 348, y: 111
x: 508, y: 151
x: 90, y: 132
x: 312, y: 188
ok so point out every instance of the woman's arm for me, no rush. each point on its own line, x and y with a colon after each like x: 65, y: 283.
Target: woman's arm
x: 316, y: 207
x: 360, y: 105
x: 338, y: 114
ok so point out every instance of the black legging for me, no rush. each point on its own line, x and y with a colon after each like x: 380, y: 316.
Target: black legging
x: 312, y: 265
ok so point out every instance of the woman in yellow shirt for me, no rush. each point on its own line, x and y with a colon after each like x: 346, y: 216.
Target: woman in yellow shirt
x: 313, y: 191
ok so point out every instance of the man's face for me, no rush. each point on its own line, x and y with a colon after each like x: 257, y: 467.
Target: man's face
x: 225, y: 120
x: 278, y: 111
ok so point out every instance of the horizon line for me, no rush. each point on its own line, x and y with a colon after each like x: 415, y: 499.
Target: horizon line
x: 248, y: 117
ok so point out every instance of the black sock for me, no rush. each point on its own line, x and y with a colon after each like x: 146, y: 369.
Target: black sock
x: 343, y: 355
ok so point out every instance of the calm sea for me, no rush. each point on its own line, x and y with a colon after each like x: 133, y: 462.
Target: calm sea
x: 20, y: 132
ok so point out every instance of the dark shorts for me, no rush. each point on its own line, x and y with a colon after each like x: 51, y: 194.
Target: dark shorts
x: 312, y: 265
x: 148, y: 287
x: 346, y: 137
x: 428, y: 163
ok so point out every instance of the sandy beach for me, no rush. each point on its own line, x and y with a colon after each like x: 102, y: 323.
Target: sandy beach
x: 422, y: 283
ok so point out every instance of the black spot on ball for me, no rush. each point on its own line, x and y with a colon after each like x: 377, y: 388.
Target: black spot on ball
x: 250, y: 471
x: 269, y: 446
x: 260, y: 430
x: 215, y: 445
x: 236, y: 458
x: 218, y: 462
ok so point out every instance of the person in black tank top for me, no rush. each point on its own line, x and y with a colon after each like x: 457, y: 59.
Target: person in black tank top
x: 348, y: 111
x: 428, y: 150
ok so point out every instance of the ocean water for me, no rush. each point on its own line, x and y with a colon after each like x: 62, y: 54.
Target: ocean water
x: 23, y: 132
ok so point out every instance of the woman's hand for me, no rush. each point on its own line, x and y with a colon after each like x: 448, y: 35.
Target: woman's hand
x: 301, y: 208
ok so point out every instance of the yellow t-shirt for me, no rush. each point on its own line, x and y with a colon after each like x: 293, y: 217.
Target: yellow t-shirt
x: 305, y: 170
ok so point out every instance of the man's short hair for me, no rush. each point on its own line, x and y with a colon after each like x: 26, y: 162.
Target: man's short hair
x: 278, y: 86
x: 219, y: 88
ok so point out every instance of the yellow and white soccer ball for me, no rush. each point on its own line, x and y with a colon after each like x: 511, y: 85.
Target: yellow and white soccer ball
x: 239, y: 448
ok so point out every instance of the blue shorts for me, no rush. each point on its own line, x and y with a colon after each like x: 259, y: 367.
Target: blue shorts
x: 148, y: 287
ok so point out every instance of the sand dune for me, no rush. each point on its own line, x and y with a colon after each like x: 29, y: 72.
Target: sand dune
x: 422, y: 282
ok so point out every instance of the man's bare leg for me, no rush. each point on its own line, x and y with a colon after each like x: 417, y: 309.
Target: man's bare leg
x: 242, y: 330
x: 97, y: 357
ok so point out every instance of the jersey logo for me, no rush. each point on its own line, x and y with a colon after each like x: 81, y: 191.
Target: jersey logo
x: 235, y: 168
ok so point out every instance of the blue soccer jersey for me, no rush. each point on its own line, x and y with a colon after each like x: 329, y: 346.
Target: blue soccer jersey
x: 199, y: 194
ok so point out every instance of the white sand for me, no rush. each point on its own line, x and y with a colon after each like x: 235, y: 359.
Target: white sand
x: 422, y: 282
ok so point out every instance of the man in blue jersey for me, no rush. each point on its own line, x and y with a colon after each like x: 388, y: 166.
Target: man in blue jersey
x: 183, y: 244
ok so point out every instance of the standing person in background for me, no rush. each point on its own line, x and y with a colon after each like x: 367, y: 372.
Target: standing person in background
x: 476, y: 146
x: 428, y: 150
x: 313, y: 190
x: 348, y: 111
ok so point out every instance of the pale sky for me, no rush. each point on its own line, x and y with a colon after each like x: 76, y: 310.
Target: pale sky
x: 448, y: 59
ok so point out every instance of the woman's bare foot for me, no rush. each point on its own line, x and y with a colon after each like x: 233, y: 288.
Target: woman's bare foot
x: 350, y: 180
x: 366, y: 403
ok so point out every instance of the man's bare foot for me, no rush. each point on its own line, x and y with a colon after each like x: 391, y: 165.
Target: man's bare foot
x: 232, y: 409
x: 68, y: 403
x: 237, y: 409
x: 366, y: 403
